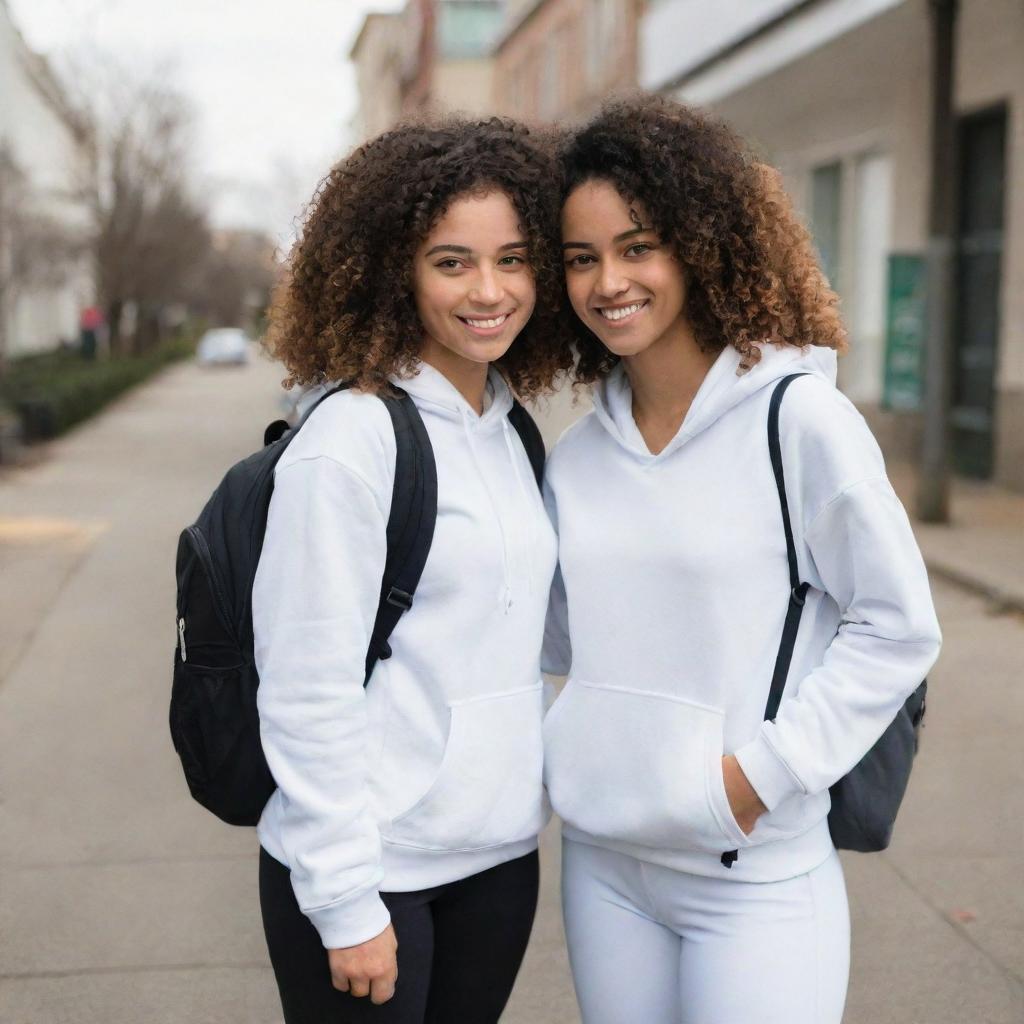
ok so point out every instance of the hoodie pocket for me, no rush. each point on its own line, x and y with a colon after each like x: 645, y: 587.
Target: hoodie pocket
x: 639, y: 768
x: 488, y: 790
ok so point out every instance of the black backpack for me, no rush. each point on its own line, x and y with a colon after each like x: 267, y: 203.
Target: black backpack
x: 213, y: 717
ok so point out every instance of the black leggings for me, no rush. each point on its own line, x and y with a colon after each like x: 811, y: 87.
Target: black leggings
x: 459, y: 949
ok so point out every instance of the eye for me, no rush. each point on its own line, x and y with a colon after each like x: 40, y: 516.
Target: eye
x: 639, y: 248
x: 584, y: 259
x: 451, y: 263
x: 511, y: 261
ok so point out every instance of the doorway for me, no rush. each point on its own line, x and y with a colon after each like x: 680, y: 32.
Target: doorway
x: 981, y: 198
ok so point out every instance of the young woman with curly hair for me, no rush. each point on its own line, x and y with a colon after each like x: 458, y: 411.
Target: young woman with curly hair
x: 407, y: 811
x: 700, y: 882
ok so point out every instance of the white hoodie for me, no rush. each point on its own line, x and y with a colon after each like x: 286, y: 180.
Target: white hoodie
x: 669, y: 608
x: 434, y: 772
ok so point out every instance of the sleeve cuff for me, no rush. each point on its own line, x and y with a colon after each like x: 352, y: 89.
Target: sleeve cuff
x: 767, y: 773
x: 351, y: 921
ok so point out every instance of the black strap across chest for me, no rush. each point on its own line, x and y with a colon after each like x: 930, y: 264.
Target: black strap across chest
x: 797, y: 590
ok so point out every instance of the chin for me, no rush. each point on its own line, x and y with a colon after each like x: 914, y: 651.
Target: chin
x: 620, y: 346
x: 484, y: 351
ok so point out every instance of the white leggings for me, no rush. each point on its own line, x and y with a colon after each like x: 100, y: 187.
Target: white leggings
x: 649, y: 944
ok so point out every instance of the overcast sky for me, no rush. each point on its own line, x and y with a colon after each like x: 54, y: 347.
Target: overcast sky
x: 269, y: 79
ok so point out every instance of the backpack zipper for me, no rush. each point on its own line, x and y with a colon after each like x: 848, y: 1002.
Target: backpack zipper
x: 220, y: 601
x: 181, y: 638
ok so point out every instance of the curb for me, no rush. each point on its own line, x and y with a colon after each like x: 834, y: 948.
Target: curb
x: 1003, y: 601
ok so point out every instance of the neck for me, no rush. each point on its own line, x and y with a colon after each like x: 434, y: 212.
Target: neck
x: 666, y: 376
x: 467, y: 377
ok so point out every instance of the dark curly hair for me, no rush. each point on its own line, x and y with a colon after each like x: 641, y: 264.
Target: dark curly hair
x: 345, y: 309
x: 751, y: 271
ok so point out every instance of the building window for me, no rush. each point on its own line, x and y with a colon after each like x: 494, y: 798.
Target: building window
x: 468, y: 28
x: 826, y: 217
x: 851, y: 214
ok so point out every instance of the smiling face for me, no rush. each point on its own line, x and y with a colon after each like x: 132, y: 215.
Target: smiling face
x: 623, y: 281
x: 472, y: 283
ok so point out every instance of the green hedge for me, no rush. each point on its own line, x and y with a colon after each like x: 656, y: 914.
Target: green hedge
x: 53, y: 391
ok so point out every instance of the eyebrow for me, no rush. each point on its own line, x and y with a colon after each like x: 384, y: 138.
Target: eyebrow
x: 639, y: 230
x: 463, y: 250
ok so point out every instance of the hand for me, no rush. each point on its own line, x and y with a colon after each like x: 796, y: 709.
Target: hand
x: 745, y: 803
x: 371, y: 968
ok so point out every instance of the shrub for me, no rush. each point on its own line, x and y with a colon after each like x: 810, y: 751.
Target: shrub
x: 53, y: 391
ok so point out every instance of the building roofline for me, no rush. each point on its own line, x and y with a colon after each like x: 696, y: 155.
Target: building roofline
x: 731, y: 49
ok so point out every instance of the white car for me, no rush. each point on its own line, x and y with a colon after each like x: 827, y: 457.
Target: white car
x: 223, y: 346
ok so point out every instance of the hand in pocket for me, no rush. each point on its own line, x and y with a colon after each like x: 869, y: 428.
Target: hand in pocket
x: 744, y: 802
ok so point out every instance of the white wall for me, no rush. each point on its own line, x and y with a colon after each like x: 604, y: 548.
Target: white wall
x: 45, y: 146
x: 46, y: 150
x: 464, y: 85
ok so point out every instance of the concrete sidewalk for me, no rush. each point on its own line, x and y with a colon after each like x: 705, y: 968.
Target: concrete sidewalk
x: 982, y: 549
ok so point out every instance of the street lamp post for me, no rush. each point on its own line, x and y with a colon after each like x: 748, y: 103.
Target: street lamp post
x: 933, y: 485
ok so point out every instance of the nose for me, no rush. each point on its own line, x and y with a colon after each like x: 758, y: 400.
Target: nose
x: 487, y: 290
x: 611, y: 281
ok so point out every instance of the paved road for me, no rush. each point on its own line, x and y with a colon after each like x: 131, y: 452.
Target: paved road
x: 122, y: 902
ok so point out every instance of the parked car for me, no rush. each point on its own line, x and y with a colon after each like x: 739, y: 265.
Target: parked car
x: 223, y: 346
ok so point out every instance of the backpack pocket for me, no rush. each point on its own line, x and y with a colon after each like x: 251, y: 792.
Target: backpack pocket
x: 639, y: 768
x: 213, y: 718
x: 488, y: 790
x: 205, y: 630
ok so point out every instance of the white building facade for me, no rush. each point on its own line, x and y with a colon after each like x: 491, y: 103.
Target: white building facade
x: 39, y: 134
x: 836, y: 93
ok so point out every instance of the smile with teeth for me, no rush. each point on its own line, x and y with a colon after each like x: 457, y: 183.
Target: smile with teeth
x: 620, y: 312
x: 494, y: 322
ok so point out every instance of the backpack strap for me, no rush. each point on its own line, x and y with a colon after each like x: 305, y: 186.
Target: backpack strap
x: 282, y: 428
x: 797, y: 590
x: 528, y: 433
x: 410, y: 529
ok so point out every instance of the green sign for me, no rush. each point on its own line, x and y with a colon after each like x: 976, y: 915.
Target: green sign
x: 905, y: 333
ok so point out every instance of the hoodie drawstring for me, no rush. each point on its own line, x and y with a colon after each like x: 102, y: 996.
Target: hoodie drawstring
x: 506, y: 431
x: 506, y: 597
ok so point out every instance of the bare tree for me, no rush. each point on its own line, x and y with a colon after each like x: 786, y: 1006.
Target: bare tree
x: 36, y: 250
x: 238, y: 277
x: 150, y: 232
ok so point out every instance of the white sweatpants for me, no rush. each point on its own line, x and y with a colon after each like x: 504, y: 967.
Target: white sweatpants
x: 649, y: 944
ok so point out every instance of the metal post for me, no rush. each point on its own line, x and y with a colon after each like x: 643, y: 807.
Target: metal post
x: 933, y: 485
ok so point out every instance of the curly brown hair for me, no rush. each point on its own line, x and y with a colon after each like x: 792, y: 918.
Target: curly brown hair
x: 345, y: 309
x: 751, y: 271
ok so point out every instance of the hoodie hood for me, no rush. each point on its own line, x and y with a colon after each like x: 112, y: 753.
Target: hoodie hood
x: 431, y: 389
x: 724, y: 387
